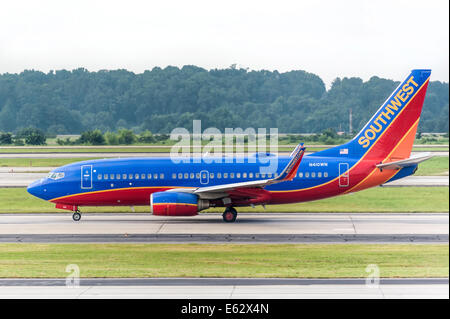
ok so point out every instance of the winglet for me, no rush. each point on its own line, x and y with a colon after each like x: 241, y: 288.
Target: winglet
x: 291, y: 168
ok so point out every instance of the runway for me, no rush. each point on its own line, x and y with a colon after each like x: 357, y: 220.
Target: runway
x: 222, y: 288
x: 20, y: 177
x: 419, y: 181
x: 209, y: 228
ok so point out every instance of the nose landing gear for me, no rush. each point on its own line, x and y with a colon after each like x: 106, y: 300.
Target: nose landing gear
x: 230, y: 215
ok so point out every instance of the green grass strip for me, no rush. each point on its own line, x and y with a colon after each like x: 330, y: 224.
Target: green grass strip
x: 435, y: 166
x: 40, y: 162
x: 217, y: 260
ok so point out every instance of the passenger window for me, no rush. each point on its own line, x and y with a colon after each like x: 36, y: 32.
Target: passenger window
x: 313, y: 174
x: 250, y: 175
x: 325, y: 174
x: 219, y: 175
x: 105, y: 176
x: 191, y: 176
x: 155, y: 176
x: 306, y: 174
x: 142, y: 176
x: 180, y: 175
x: 111, y: 176
x: 124, y: 176
x: 319, y: 174
x: 300, y: 174
x: 238, y: 175
x: 130, y: 176
x: 117, y: 176
x: 149, y: 176
x: 225, y: 175
x: 269, y: 175
x: 186, y: 175
x: 197, y: 175
x: 99, y: 177
x: 174, y: 176
x: 263, y: 175
x: 256, y: 175
x: 136, y: 176
x: 161, y: 176
x: 244, y: 175
x: 211, y: 175
x: 231, y: 175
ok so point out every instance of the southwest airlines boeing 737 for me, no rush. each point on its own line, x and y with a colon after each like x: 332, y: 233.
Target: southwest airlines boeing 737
x: 378, y: 154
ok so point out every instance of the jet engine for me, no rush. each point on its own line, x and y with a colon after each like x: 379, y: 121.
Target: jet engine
x: 176, y: 204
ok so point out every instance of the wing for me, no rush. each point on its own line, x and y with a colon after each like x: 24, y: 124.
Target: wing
x: 252, y: 191
x: 413, y: 160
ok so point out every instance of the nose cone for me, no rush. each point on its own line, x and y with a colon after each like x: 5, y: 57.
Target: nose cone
x: 35, y: 189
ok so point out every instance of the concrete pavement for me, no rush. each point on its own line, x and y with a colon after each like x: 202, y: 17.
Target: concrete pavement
x: 237, y: 288
x: 260, y: 225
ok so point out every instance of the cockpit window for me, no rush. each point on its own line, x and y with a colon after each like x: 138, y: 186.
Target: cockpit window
x: 55, y: 176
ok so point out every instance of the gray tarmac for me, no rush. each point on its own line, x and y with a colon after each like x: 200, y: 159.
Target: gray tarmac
x: 209, y: 228
x: 419, y: 181
x: 221, y: 288
x: 230, y: 238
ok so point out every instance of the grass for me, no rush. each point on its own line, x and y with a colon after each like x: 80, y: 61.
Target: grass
x: 379, y: 199
x: 435, y: 166
x: 92, y: 149
x: 430, y: 149
x: 223, y: 260
x: 163, y: 149
x: 40, y: 162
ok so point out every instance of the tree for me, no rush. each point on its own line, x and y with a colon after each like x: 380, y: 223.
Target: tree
x: 146, y: 137
x: 126, y: 137
x: 5, y: 138
x: 32, y: 136
x: 111, y: 138
x: 94, y: 137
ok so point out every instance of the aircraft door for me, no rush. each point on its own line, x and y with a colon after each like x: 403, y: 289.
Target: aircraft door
x: 344, y: 178
x: 86, y: 176
x: 204, y: 177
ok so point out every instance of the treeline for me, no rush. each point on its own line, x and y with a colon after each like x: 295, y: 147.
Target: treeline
x: 71, y: 102
x: 33, y: 136
x: 122, y: 137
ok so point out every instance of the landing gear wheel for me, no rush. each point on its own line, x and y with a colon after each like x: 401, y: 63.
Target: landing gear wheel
x: 76, y: 216
x: 230, y: 215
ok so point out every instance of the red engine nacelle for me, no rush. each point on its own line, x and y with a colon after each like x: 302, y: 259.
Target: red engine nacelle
x: 176, y: 204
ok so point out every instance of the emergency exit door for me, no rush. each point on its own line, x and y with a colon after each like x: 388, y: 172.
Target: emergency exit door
x: 344, y: 179
x: 86, y: 176
x: 204, y: 177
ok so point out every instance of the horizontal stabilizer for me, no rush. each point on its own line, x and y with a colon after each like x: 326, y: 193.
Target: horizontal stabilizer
x: 413, y: 160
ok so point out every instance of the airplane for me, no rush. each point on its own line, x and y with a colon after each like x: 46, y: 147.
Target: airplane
x: 378, y: 154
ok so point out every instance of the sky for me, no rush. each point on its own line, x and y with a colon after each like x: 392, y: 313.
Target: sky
x: 328, y: 38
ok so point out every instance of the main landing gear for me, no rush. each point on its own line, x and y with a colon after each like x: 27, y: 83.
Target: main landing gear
x: 76, y: 216
x: 230, y: 215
